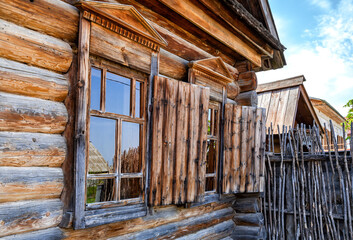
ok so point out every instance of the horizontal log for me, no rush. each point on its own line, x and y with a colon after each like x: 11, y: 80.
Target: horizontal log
x: 233, y: 90
x: 247, y: 81
x: 249, y: 232
x: 172, y: 66
x: 53, y: 17
x: 184, y: 227
x: 19, y: 78
x: 249, y: 219
x: 27, y: 114
x: 162, y: 216
x: 27, y: 183
x: 108, y: 44
x: 19, y: 149
x: 218, y: 231
x: 306, y: 157
x: 54, y: 233
x: 24, y: 216
x: 247, y: 98
x: 246, y: 205
x: 27, y: 46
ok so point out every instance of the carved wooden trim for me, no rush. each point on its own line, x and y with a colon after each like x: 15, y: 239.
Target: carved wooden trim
x: 108, y: 24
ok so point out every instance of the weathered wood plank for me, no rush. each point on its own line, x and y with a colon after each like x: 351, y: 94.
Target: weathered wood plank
x: 244, y: 149
x: 157, y: 140
x: 236, y: 152
x: 30, y: 81
x: 106, y: 43
x: 62, y: 22
x: 169, y: 129
x: 31, y: 47
x: 31, y: 149
x: 293, y: 97
x: 194, y: 117
x: 250, y: 150
x: 202, y: 154
x: 18, y: 217
x: 53, y: 233
x: 27, y: 183
x: 257, y: 150
x: 249, y: 219
x: 172, y: 66
x: 27, y: 114
x: 227, y: 147
x: 246, y: 205
x: 181, y: 151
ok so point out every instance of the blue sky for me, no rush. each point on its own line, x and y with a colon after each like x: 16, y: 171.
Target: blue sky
x: 318, y: 35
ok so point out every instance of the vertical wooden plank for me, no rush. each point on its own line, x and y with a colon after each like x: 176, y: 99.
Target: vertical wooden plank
x: 250, y: 152
x: 149, y: 111
x: 228, y: 111
x: 265, y: 101
x: 237, y: 119
x: 257, y: 150
x: 291, y: 108
x: 201, y: 168
x: 81, y: 117
x: 193, y: 142
x: 233, y: 147
x: 169, y: 126
x: 244, y: 144
x: 272, y: 111
x: 157, y: 141
x: 262, y: 150
x: 181, y: 144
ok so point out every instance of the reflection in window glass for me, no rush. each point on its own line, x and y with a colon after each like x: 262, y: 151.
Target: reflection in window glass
x: 211, y: 156
x: 210, y: 184
x: 130, y: 148
x: 138, y: 99
x: 130, y: 188
x: 209, y: 121
x: 95, y: 88
x: 100, y: 190
x: 101, y: 146
x: 117, y: 94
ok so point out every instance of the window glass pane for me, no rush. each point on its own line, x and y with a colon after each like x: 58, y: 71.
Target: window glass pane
x: 138, y: 99
x: 100, y: 190
x: 211, y: 156
x: 130, y: 188
x: 130, y: 148
x: 117, y: 94
x: 95, y: 88
x: 101, y: 145
x: 209, y: 122
x: 210, y: 186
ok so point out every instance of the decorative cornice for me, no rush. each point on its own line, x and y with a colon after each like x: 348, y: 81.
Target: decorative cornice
x: 93, y: 13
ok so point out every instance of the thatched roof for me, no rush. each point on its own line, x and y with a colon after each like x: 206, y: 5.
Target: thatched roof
x: 97, y: 164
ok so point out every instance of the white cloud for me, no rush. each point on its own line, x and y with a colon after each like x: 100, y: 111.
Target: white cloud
x: 325, y: 4
x: 326, y: 61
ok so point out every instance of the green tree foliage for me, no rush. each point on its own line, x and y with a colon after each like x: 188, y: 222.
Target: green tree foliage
x: 349, y: 117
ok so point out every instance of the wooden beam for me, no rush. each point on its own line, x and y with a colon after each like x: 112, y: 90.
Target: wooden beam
x: 286, y: 83
x: 247, y: 81
x: 195, y: 15
x: 34, y: 48
x: 81, y: 116
x: 247, y: 98
x: 50, y: 233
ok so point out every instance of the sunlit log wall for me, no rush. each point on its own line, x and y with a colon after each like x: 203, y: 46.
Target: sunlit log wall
x: 308, y: 190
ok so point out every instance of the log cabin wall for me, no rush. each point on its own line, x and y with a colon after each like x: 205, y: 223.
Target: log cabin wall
x: 39, y: 62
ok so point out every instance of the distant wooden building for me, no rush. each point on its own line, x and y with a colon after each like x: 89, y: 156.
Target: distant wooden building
x: 327, y: 112
x: 122, y: 119
x: 287, y: 104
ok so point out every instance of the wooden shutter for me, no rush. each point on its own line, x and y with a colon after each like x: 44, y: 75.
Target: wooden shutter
x: 244, y: 142
x: 179, y: 142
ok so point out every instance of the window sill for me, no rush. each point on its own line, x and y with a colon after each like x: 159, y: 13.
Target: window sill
x: 116, y: 214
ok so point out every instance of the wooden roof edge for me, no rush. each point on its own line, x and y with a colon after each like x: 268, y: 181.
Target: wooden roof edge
x: 255, y: 24
x: 284, y: 83
x: 310, y: 106
x: 330, y: 106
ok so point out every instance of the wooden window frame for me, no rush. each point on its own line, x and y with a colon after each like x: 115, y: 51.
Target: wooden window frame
x: 119, y: 118
x: 215, y: 136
